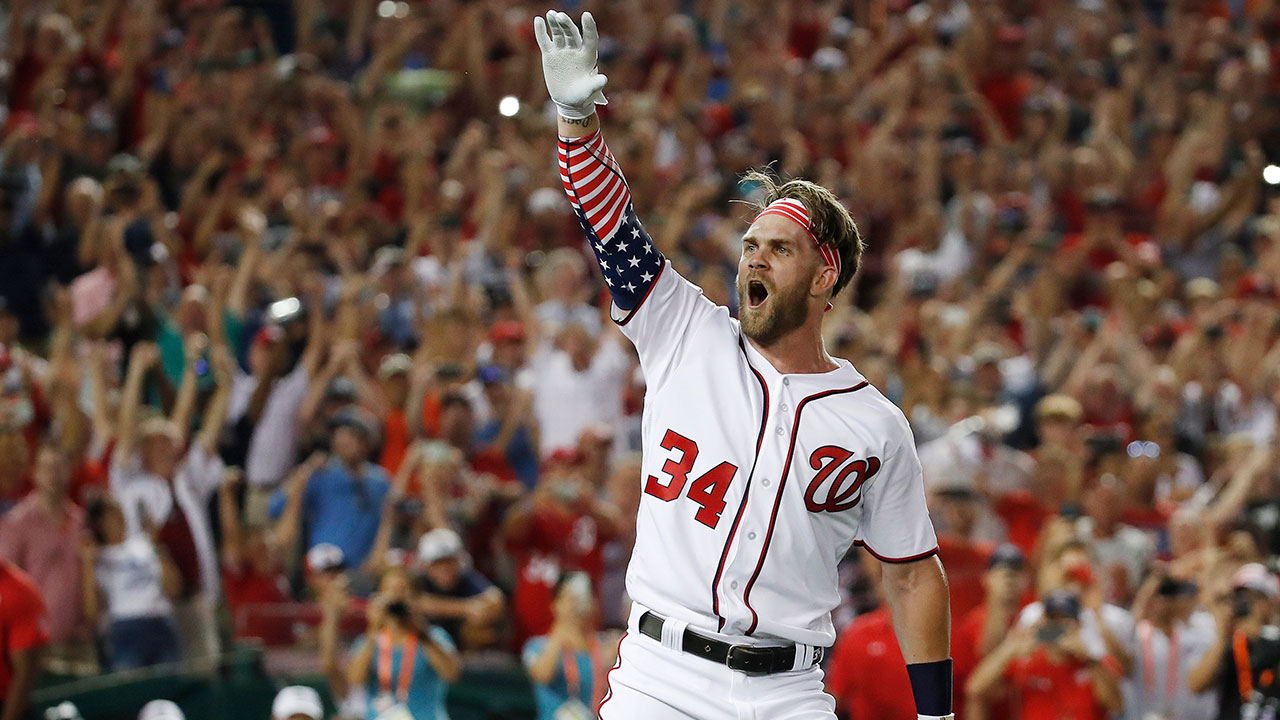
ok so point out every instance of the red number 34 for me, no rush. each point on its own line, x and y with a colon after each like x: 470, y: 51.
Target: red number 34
x: 707, y: 491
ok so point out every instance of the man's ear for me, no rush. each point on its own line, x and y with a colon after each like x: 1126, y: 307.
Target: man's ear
x: 824, y: 281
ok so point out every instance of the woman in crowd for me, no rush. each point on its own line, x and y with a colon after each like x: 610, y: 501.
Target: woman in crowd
x: 568, y: 664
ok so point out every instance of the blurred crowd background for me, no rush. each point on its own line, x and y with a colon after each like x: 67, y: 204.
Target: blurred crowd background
x: 301, y: 345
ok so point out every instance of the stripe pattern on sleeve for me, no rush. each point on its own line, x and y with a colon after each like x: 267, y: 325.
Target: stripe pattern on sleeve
x: 628, y: 259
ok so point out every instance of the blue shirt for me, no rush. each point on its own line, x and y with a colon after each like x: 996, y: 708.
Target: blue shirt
x: 520, y: 452
x: 342, y: 509
x: 551, y: 696
x: 426, y: 690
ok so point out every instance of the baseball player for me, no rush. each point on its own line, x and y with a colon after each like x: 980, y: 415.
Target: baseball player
x: 764, y: 457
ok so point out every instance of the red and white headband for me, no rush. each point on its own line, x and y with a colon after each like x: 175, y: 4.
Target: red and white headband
x: 795, y: 211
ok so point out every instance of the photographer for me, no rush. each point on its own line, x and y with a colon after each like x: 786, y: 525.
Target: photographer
x: 1171, y: 637
x: 402, y: 664
x: 1048, y: 669
x: 1245, y: 657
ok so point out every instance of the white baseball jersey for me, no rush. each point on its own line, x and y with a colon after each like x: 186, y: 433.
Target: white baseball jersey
x: 755, y: 483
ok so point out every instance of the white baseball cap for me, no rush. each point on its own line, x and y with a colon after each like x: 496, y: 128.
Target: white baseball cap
x: 439, y: 544
x: 325, y: 556
x: 1256, y: 577
x: 161, y: 710
x: 297, y: 700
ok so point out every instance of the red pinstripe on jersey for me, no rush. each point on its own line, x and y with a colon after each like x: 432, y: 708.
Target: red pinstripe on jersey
x: 782, y: 483
x: 882, y: 558
x: 733, y: 529
x: 616, y: 664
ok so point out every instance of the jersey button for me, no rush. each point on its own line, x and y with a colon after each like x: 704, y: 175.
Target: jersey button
x: 765, y: 482
x: 734, y: 585
x: 780, y: 431
x: 751, y: 536
x: 783, y: 407
x: 786, y: 381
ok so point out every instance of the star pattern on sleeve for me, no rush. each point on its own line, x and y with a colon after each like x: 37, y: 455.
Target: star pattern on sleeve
x: 601, y: 200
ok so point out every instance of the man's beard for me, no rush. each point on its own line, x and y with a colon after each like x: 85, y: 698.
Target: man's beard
x: 782, y: 311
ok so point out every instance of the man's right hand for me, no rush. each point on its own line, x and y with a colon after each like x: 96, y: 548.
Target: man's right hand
x: 569, y: 63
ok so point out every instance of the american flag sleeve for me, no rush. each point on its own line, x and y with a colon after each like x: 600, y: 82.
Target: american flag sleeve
x: 627, y: 257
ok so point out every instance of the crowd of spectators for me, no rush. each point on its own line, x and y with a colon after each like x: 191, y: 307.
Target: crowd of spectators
x: 300, y: 342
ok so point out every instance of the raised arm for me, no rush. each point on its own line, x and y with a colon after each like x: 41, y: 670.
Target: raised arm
x: 143, y: 356
x: 229, y: 519
x: 629, y: 261
x: 215, y: 412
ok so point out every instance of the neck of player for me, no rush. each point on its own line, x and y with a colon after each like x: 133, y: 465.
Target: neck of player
x: 801, y: 350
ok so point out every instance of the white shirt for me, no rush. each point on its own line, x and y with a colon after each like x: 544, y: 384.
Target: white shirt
x: 554, y: 315
x: 1146, y: 687
x: 129, y: 575
x: 195, y: 480
x: 1127, y: 547
x: 1118, y: 621
x: 273, y: 448
x: 956, y: 458
x: 755, y: 483
x: 567, y: 401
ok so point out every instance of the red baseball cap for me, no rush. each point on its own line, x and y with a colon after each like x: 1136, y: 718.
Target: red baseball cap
x: 506, y: 330
x: 566, y: 456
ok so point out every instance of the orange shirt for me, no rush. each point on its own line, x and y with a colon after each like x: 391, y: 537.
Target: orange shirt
x: 395, y: 440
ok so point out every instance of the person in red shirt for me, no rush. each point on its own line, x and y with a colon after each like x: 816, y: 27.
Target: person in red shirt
x: 965, y: 557
x: 976, y: 633
x: 562, y: 526
x: 21, y: 608
x: 1048, y: 670
x: 867, y: 674
x: 252, y: 574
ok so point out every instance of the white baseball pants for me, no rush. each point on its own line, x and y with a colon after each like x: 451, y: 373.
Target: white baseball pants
x: 650, y: 681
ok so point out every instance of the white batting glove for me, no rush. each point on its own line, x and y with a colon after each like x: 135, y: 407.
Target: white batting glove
x: 569, y: 63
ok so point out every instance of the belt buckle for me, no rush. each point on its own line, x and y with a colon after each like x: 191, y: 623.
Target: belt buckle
x: 747, y: 659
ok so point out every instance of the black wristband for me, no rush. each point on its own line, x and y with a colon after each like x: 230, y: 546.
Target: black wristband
x: 931, y: 684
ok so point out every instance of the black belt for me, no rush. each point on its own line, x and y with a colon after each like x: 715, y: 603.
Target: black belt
x: 743, y: 658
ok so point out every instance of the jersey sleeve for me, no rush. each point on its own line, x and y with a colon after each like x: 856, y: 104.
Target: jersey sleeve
x: 662, y: 328
x: 895, y: 521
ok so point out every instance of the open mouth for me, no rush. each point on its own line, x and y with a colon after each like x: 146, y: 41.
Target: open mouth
x: 756, y: 294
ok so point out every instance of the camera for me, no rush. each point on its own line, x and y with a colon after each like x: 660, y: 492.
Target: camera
x: 1104, y: 443
x: 1241, y: 605
x: 1050, y: 632
x: 398, y: 610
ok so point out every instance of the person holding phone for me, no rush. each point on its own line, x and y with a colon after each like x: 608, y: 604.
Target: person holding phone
x: 1172, y: 636
x: 1049, y: 670
x: 568, y: 664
